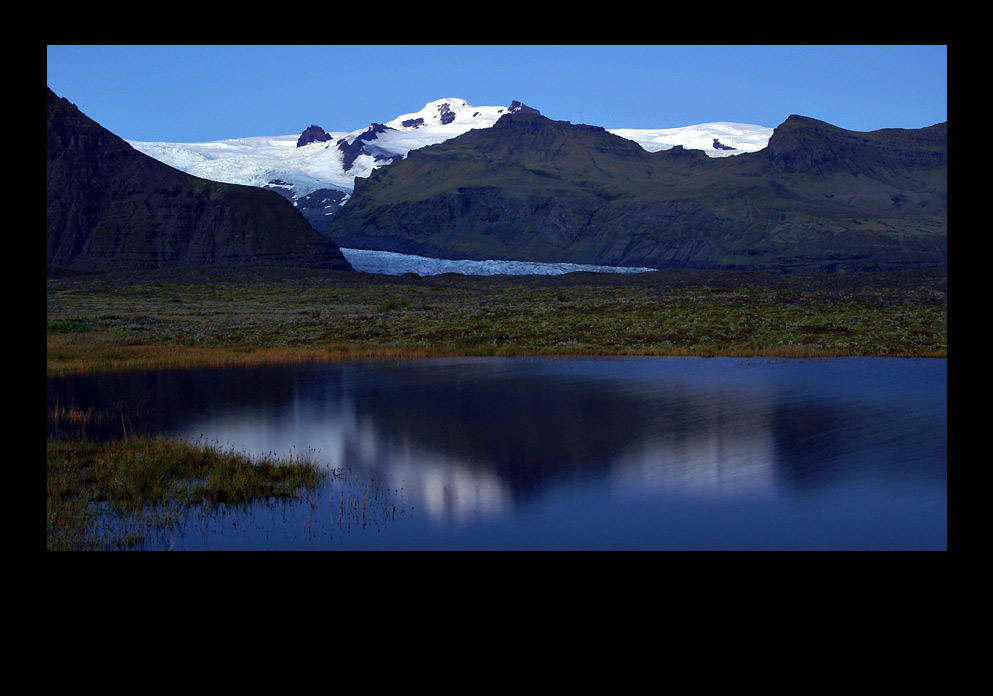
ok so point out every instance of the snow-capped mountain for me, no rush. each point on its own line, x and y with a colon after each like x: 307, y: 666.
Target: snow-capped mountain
x: 334, y: 163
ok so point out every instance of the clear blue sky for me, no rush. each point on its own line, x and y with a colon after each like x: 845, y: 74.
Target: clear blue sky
x: 203, y: 93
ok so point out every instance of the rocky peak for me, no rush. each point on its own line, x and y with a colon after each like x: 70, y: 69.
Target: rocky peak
x: 351, y: 150
x: 313, y: 134
x: 517, y: 107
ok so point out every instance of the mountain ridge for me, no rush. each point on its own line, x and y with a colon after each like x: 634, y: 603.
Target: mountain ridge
x: 817, y: 197
x: 110, y: 206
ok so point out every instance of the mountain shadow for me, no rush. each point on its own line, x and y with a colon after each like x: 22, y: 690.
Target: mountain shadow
x: 110, y: 206
x: 529, y: 188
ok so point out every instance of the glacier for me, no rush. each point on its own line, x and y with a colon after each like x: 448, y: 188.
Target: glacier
x: 393, y: 263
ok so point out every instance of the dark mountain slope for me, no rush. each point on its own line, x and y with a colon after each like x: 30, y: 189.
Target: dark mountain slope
x: 112, y: 206
x: 818, y: 197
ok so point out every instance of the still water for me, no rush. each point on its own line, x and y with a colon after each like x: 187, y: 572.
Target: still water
x: 561, y: 454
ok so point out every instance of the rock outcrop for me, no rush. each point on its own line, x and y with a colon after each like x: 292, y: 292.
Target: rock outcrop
x: 517, y: 107
x: 445, y: 114
x: 312, y: 134
x: 351, y: 150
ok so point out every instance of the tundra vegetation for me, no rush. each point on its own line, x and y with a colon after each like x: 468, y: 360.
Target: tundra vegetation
x: 244, y: 315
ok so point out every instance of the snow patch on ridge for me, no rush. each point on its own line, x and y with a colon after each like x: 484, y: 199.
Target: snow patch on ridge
x: 743, y: 137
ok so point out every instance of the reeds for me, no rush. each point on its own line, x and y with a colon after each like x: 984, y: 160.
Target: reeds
x: 361, y: 501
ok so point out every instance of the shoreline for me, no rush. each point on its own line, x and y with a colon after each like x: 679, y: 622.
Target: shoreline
x: 152, y: 359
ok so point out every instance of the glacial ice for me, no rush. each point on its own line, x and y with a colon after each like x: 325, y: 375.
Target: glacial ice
x: 392, y: 263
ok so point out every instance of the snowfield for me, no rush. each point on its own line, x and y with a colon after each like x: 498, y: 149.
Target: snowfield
x: 258, y: 161
x: 740, y: 136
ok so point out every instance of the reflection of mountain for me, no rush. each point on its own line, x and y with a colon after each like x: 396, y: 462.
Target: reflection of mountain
x: 527, y: 431
x: 819, y: 443
x: 155, y: 401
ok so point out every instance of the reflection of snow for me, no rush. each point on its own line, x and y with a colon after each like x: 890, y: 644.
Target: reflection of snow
x: 447, y: 487
x: 455, y: 491
x: 391, y: 263
x: 724, y: 458
x: 719, y: 463
x: 304, y: 428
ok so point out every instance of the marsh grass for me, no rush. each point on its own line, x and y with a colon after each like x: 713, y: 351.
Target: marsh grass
x: 109, y: 489
x: 113, y: 493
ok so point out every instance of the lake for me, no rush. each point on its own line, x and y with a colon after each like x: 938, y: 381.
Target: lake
x: 566, y: 454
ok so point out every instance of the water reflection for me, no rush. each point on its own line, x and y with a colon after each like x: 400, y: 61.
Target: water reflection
x: 472, y: 439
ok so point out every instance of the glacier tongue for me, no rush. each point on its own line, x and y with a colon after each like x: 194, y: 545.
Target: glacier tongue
x: 392, y: 263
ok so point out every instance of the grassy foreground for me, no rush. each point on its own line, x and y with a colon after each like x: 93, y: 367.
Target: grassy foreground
x: 113, y: 493
x: 257, y: 315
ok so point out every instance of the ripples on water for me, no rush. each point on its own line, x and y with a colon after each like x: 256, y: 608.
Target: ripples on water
x: 656, y: 453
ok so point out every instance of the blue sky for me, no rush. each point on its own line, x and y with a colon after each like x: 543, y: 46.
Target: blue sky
x: 204, y: 93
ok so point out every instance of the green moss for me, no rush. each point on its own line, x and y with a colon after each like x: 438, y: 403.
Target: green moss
x: 72, y: 325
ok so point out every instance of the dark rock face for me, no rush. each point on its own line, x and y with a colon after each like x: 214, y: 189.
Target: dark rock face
x: 413, y: 123
x: 351, y: 150
x: 313, y: 134
x: 318, y: 207
x: 110, y: 206
x: 719, y: 146
x: 446, y: 114
x: 805, y: 145
x: 517, y: 107
x: 817, y: 198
